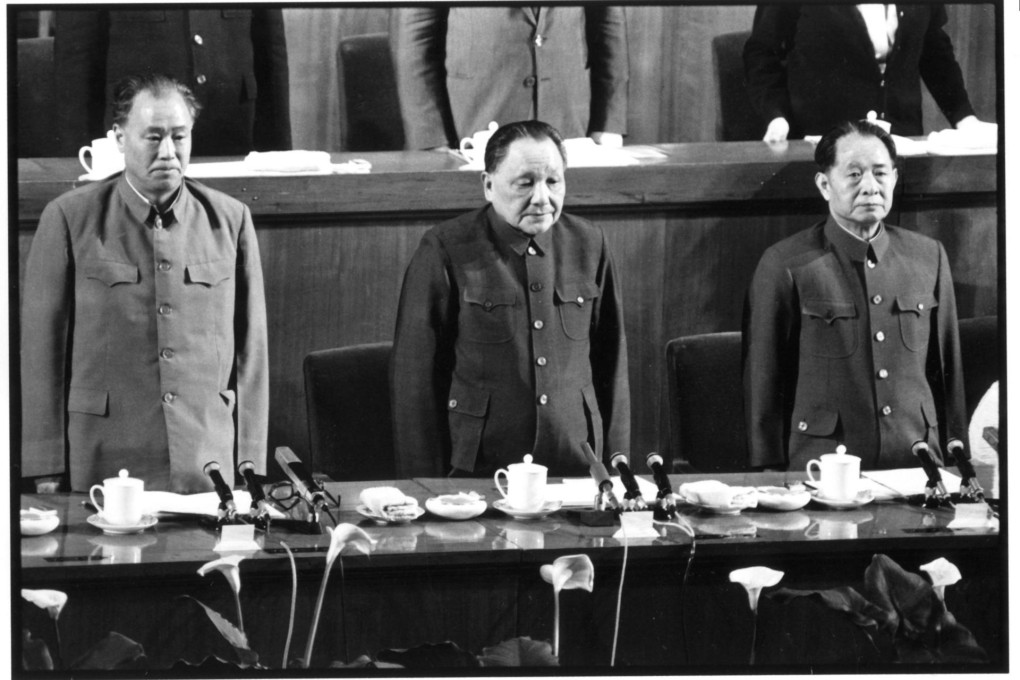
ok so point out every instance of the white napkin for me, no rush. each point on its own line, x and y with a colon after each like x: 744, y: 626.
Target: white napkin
x: 714, y: 493
x: 979, y: 139
x: 384, y: 500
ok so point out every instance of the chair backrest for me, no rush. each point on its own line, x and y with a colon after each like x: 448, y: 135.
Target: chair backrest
x: 979, y: 348
x: 369, y: 104
x: 349, y: 423
x: 37, y: 130
x: 706, y: 402
x: 737, y: 118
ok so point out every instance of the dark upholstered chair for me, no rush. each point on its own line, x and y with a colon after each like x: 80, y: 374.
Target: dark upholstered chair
x: 349, y: 424
x: 369, y: 104
x: 37, y: 130
x: 737, y: 119
x: 706, y: 402
x: 979, y: 347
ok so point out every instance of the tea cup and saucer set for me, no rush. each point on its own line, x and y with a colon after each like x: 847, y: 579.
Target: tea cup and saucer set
x: 524, y: 494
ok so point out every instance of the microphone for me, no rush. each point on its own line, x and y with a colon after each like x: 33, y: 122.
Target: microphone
x: 598, y: 471
x: 665, y: 502
x: 935, y: 493
x: 306, y: 486
x: 633, y: 493
x: 227, y: 509
x: 259, y: 506
x: 970, y: 488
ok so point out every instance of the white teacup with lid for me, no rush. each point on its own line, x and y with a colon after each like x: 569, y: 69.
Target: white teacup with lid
x: 839, y: 475
x: 473, y: 147
x: 123, y: 499
x: 106, y: 156
x: 525, y: 485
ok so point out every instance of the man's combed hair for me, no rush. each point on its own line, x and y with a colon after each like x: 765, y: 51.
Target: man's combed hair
x: 126, y: 89
x: 499, y: 144
x: 825, y: 152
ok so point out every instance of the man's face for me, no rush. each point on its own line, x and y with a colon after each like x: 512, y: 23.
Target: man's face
x: 156, y: 141
x: 527, y: 188
x: 859, y: 186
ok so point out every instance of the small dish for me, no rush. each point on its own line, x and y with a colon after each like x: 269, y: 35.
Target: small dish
x: 457, y: 506
x: 547, y: 509
x: 99, y: 522
x: 36, y: 522
x: 364, y: 511
x: 862, y: 498
x: 717, y: 498
x: 782, y: 499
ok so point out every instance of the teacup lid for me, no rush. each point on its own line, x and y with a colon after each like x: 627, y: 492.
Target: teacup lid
x: 122, y: 479
x: 528, y: 464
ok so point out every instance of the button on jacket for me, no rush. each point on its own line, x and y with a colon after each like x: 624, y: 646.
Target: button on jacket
x: 507, y: 345
x: 143, y: 339
x: 852, y: 342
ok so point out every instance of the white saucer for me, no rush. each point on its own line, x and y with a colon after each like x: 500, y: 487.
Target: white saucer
x: 38, y: 522
x: 456, y: 505
x: 98, y: 522
x: 782, y: 499
x: 547, y: 509
x: 364, y: 511
x: 862, y: 498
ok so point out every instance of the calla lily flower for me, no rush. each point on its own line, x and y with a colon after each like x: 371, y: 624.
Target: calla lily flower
x: 228, y: 566
x: 754, y: 579
x: 567, y: 573
x: 344, y: 535
x: 942, y: 573
x: 52, y: 601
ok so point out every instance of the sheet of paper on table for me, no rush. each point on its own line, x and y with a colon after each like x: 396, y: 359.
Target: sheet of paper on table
x: 197, y: 503
x: 886, y: 484
x: 583, y: 152
x: 580, y: 492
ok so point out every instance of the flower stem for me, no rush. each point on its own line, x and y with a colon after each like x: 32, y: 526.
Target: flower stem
x: 556, y: 624
x: 293, y: 603
x: 754, y: 633
x: 315, y: 618
x: 59, y: 662
x: 240, y: 619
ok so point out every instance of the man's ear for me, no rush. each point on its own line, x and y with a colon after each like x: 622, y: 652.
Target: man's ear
x: 118, y: 133
x: 822, y: 182
x: 487, y: 186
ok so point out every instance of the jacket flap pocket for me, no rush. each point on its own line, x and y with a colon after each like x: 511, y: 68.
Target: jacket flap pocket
x: 468, y: 400
x: 209, y: 273
x: 918, y: 304
x: 816, y: 422
x: 577, y: 293
x: 829, y: 310
x: 488, y: 298
x: 86, y: 400
x: 109, y: 272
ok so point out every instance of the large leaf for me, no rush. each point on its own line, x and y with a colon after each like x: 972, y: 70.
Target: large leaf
x: 519, y: 652
x: 238, y: 641
x: 949, y: 642
x: 363, y: 661
x: 35, y: 655
x: 441, y: 655
x: 908, y: 598
x: 845, y: 599
x: 112, y: 652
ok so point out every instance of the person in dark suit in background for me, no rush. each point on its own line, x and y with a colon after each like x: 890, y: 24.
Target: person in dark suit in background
x: 459, y: 68
x: 234, y: 59
x: 810, y: 67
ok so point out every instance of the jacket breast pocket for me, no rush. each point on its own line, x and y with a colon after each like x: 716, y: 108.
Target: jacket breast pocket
x: 209, y: 274
x: 576, y: 302
x: 110, y: 272
x: 87, y: 400
x: 467, y: 409
x: 828, y: 328
x: 488, y: 314
x: 914, y: 312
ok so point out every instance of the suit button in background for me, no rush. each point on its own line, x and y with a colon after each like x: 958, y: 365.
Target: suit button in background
x: 452, y: 403
x: 883, y: 374
x: 169, y: 397
x: 532, y: 251
x: 198, y: 39
x: 538, y: 325
x: 802, y: 426
x: 580, y: 300
x: 880, y: 336
x: 165, y: 309
x: 541, y: 361
x: 529, y: 81
x: 164, y: 266
x: 543, y: 400
x: 488, y: 305
x: 871, y: 264
x: 886, y: 410
x: 158, y: 223
x: 877, y: 299
x: 200, y: 79
x: 920, y: 306
x: 536, y: 287
x: 167, y: 353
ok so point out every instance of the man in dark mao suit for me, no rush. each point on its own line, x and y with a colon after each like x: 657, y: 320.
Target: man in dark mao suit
x: 812, y: 66
x: 143, y: 321
x: 233, y: 59
x: 851, y: 333
x: 510, y: 336
x: 459, y: 68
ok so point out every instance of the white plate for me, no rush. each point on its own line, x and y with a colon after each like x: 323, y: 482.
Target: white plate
x: 456, y: 505
x: 778, y: 498
x: 383, y: 519
x: 547, y: 509
x: 37, y: 523
x: 98, y: 522
x: 863, y: 498
x: 714, y: 509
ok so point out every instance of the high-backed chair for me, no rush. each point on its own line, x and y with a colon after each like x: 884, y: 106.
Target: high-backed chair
x: 349, y: 424
x: 979, y: 347
x: 737, y: 119
x: 706, y: 402
x: 37, y: 130
x: 369, y: 104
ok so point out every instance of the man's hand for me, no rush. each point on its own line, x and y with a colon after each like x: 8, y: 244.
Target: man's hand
x: 613, y: 140
x: 779, y: 130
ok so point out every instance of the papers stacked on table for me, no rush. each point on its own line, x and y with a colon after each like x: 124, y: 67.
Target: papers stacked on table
x: 886, y: 484
x: 279, y: 164
x: 197, y: 503
x: 580, y: 492
x: 583, y: 152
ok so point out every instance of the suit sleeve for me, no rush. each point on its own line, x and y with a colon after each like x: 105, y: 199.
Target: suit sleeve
x: 770, y: 360
x: 272, y: 106
x: 941, y: 72
x: 251, y: 350
x: 79, y: 57
x: 609, y: 362
x: 609, y: 66
x: 418, y: 47
x: 765, y: 51
x: 46, y: 318
x: 421, y: 365
x: 945, y: 370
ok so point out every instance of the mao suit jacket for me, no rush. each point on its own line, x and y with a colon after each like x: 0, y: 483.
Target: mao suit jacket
x: 233, y: 59
x: 815, y: 65
x: 460, y: 68
x: 143, y: 339
x: 852, y: 342
x: 506, y: 346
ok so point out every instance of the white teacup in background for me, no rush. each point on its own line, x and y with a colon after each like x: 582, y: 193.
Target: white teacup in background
x: 123, y: 499
x: 473, y: 147
x: 839, y: 475
x: 525, y: 485
x: 106, y: 157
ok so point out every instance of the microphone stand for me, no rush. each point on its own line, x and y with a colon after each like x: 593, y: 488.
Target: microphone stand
x: 227, y: 511
x: 313, y: 494
x: 605, y: 499
x: 632, y: 498
x: 970, y: 488
x: 665, y: 502
x: 259, y: 510
x: 935, y: 495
